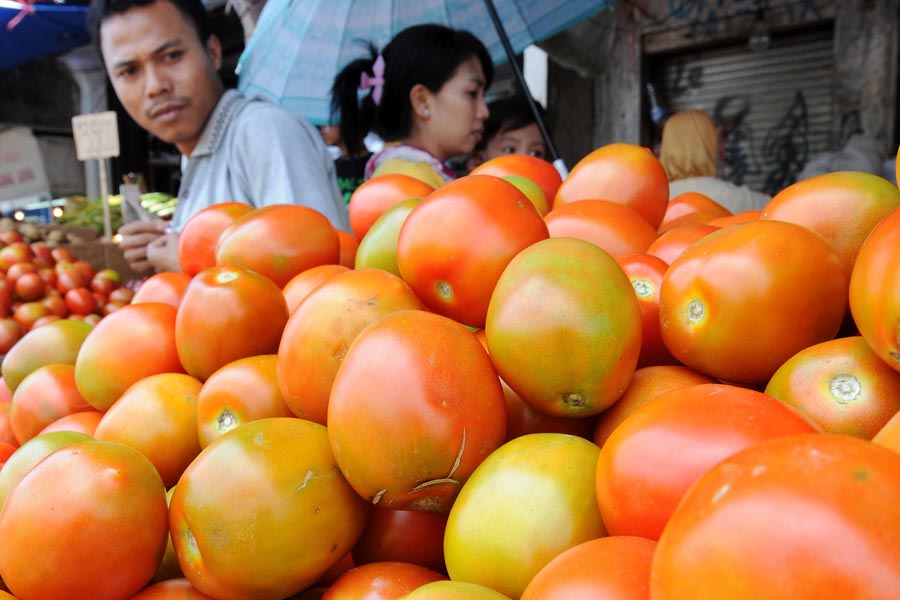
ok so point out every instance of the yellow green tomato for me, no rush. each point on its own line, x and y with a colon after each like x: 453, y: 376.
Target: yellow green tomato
x: 454, y: 590
x: 378, y: 248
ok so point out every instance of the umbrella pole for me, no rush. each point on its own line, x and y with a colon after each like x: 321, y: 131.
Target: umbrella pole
x: 520, y: 78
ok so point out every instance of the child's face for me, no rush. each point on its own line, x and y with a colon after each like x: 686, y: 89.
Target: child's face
x: 526, y: 140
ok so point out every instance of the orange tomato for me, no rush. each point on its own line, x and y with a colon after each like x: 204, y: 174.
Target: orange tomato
x: 874, y: 285
x: 87, y: 522
x: 647, y: 383
x: 167, y: 288
x: 843, y: 207
x: 646, y: 274
x: 198, y: 237
x: 242, y: 391
x: 431, y: 375
x: 624, y: 173
x: 739, y: 302
x: 454, y: 590
x: 82, y: 422
x: 671, y: 243
x: 741, y: 217
x: 840, y: 384
x: 371, y: 199
x: 889, y: 435
x: 271, y: 489
x: 841, y: 539
x: 7, y: 435
x: 134, y: 342
x: 380, y: 581
x: 692, y: 208
x: 323, y: 327
x: 614, y: 227
x: 157, y: 416
x: 279, y: 241
x: 306, y: 281
x: 409, y: 536
x: 348, y: 245
x: 564, y: 328
x: 455, y: 244
x: 652, y: 458
x: 610, y: 567
x: 173, y: 589
x: 532, y: 168
x: 47, y: 394
x: 520, y: 510
x: 228, y: 312
x: 24, y: 458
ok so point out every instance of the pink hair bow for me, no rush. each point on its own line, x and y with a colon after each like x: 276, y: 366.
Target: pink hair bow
x: 27, y: 9
x: 375, y: 82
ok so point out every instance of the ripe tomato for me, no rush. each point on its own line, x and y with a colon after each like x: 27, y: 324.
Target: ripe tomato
x: 27, y: 313
x: 564, y: 328
x: 874, y: 285
x: 45, y: 395
x: 624, y: 173
x: 378, y: 249
x: 167, y: 287
x: 430, y: 374
x: 134, y: 342
x: 840, y: 384
x: 57, y: 343
x: 610, y: 567
x: 843, y: 207
x: 122, y: 295
x: 31, y: 453
x: 80, y: 301
x: 483, y: 222
x: 29, y: 287
x: 110, y: 489
x: 409, y: 536
x: 674, y: 241
x: 889, y: 435
x: 519, y: 510
x: 454, y: 590
x: 242, y: 391
x: 651, y: 459
x: 17, y: 252
x: 371, y: 199
x: 647, y: 383
x: 249, y: 317
x: 7, y: 435
x: 299, y: 287
x: 646, y: 272
x: 380, y: 581
x: 57, y: 306
x: 348, y: 245
x: 840, y: 537
x: 157, y: 416
x: 172, y: 589
x: 692, y: 208
x: 738, y: 303
x: 616, y: 228
x: 198, y: 237
x: 81, y: 422
x: 273, y: 485
x: 323, y: 327
x: 10, y: 334
x: 279, y: 241
x: 532, y: 168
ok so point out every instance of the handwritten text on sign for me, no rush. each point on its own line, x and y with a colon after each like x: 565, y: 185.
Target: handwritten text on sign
x: 96, y: 135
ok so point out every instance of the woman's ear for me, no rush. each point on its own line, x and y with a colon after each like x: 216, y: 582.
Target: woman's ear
x: 214, y: 49
x: 420, y: 100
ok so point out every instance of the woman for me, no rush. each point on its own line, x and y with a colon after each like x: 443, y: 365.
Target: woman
x: 688, y: 153
x: 423, y: 95
x: 511, y: 128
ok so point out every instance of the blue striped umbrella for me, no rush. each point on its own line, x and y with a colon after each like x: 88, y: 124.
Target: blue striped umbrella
x: 299, y: 46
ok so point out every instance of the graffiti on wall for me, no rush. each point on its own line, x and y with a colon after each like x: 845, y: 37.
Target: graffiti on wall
x: 736, y: 138
x: 686, y: 79
x: 786, y: 148
x: 717, y: 16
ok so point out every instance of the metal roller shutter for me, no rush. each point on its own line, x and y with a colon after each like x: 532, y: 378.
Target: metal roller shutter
x: 773, y: 108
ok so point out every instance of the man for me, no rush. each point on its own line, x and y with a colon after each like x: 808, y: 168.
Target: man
x: 163, y: 62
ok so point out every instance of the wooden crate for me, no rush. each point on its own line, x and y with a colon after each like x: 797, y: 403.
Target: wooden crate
x: 104, y: 256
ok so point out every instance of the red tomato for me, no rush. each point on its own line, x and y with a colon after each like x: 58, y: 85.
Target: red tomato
x: 430, y: 374
x: 57, y: 306
x: 31, y: 453
x: 410, y: 536
x: 874, y: 285
x: 198, y: 237
x: 70, y: 278
x: 173, y: 589
x: 6, y: 431
x: 483, y: 222
x: 615, y: 567
x: 348, y: 245
x: 646, y: 272
x: 279, y: 241
x: 273, y: 484
x: 132, y: 343
x: 44, y: 552
x: 370, y: 200
x: 121, y: 295
x: 47, y: 394
x: 167, y: 287
x: 840, y: 540
x: 729, y: 306
x: 671, y: 243
x: 17, y: 252
x: 28, y: 312
x: 249, y: 317
x: 17, y: 270
x: 564, y: 328
x: 616, y: 228
x: 624, y: 173
x: 299, y: 287
x: 81, y: 301
x: 380, y: 581
x: 691, y: 208
x: 682, y: 434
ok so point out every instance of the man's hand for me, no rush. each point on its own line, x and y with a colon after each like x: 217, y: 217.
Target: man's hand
x: 135, y: 238
x: 162, y: 253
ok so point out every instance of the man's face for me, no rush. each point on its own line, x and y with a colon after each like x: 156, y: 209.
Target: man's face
x: 163, y: 74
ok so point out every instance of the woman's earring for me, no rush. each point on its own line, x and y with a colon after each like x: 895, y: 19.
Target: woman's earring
x: 426, y: 112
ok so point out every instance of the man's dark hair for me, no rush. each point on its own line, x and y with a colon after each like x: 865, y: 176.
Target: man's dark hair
x: 507, y: 114
x: 101, y: 10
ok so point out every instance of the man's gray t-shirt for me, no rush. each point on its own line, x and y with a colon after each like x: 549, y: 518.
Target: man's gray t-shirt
x: 255, y: 152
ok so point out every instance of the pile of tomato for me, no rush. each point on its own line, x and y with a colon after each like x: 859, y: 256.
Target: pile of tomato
x: 513, y: 386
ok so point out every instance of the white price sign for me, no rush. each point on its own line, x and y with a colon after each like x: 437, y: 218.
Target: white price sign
x: 96, y: 135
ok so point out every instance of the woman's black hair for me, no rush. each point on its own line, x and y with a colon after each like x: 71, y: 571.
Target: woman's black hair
x: 507, y: 114
x: 422, y: 54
